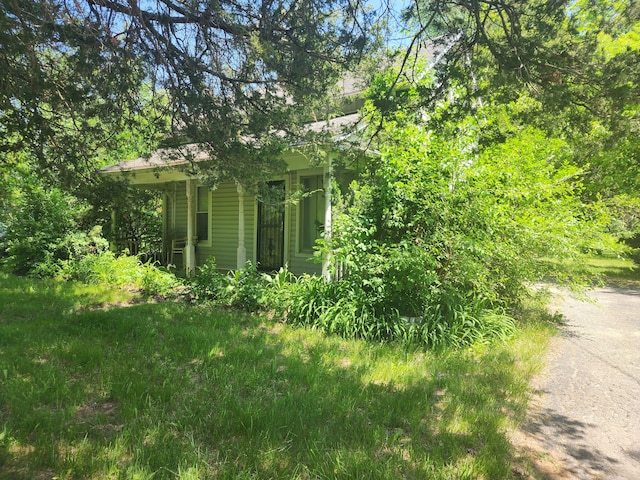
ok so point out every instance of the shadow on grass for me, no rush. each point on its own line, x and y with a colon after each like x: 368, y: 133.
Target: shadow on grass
x: 170, y: 391
x: 616, y: 272
x: 579, y: 456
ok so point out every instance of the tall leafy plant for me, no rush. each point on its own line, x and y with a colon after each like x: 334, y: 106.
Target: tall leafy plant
x: 440, y: 230
x: 41, y: 227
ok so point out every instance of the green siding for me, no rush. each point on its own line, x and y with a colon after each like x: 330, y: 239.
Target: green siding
x: 180, y: 225
x: 224, y: 226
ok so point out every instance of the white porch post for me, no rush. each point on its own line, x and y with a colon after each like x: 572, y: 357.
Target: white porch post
x: 327, y: 218
x: 190, y: 248
x: 241, y: 256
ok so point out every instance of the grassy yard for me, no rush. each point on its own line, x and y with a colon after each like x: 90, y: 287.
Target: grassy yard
x: 616, y: 270
x: 169, y: 391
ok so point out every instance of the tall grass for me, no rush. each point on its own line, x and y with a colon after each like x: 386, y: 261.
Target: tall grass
x: 120, y: 271
x: 169, y: 391
x: 340, y: 308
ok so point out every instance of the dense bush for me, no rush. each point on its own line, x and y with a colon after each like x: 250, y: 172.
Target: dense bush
x: 439, y: 239
x: 210, y: 284
x: 44, y: 237
x: 341, y: 308
x: 41, y: 230
x: 246, y: 288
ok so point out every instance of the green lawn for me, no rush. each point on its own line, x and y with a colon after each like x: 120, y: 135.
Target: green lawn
x: 173, y: 391
x: 616, y: 270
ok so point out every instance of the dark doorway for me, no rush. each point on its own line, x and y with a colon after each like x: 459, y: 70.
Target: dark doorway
x: 270, y: 254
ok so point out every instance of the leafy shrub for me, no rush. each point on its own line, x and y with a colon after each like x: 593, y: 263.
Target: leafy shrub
x: 432, y: 220
x: 209, y: 284
x: 156, y: 281
x: 278, y: 290
x: 244, y: 288
x: 460, y: 328
x: 41, y: 230
x: 346, y: 308
x: 340, y: 308
x: 438, y: 239
x: 42, y: 238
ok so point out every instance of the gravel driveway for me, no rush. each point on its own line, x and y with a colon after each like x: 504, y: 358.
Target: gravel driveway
x: 585, y: 420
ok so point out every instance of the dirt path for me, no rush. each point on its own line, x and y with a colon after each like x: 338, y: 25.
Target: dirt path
x: 585, y: 420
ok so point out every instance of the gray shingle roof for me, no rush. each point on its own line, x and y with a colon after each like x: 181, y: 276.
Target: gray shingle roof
x: 182, y: 156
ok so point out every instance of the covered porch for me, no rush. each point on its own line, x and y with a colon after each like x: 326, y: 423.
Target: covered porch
x: 229, y: 223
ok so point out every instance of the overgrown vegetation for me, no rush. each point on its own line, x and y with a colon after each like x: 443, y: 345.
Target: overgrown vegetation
x: 44, y: 236
x: 121, y: 271
x: 169, y: 391
x: 245, y: 288
x: 507, y: 162
x: 337, y: 308
x: 40, y: 229
x: 386, y: 295
x: 441, y: 236
x: 435, y: 243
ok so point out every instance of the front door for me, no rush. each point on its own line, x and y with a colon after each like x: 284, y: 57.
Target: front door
x: 270, y: 251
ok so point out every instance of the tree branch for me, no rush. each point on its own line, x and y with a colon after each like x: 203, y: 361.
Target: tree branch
x: 203, y: 19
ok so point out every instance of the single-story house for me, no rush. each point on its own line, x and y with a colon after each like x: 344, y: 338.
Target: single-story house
x: 233, y: 225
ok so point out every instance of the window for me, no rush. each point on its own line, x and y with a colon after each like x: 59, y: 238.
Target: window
x: 311, y: 219
x: 202, y: 214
